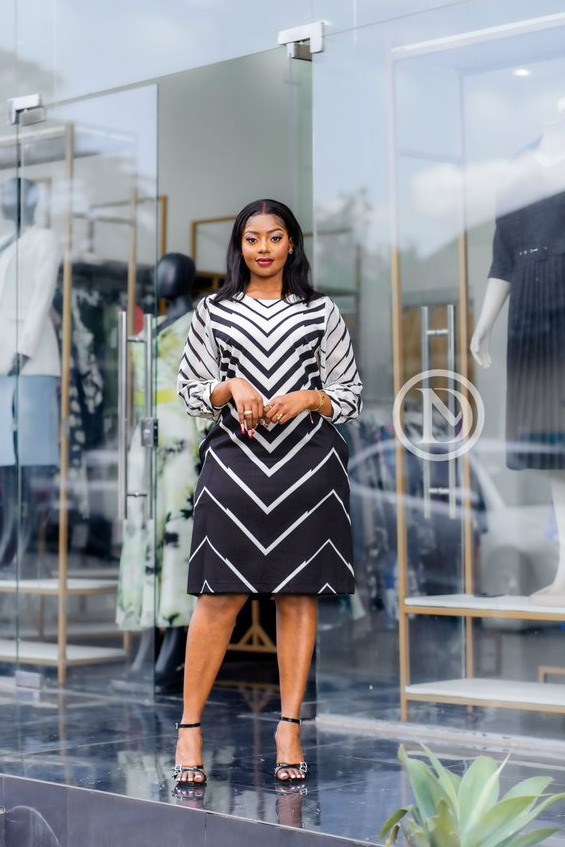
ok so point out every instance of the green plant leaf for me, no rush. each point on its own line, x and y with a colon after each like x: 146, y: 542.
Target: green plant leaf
x: 449, y: 781
x: 507, y: 819
x: 443, y: 827
x: 416, y: 836
x: 425, y: 787
x: 530, y: 838
x: 417, y: 816
x: 392, y: 820
x: 501, y: 821
x: 391, y: 840
x: 394, y: 834
x: 528, y: 787
x: 478, y: 791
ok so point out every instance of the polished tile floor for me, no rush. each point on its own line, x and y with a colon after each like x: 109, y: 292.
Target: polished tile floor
x: 125, y: 748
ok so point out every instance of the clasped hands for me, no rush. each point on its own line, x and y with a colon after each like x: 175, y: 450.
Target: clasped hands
x: 280, y: 409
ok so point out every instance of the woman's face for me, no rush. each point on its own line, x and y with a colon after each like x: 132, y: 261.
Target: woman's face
x: 265, y: 245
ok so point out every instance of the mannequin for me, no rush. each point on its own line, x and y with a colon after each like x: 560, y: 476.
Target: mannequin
x: 29, y: 361
x: 140, y: 606
x: 531, y: 217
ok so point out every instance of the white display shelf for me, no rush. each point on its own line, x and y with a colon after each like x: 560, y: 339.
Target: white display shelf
x: 75, y: 629
x: 51, y: 586
x: 42, y: 653
x: 94, y: 573
x: 507, y: 606
x: 496, y: 693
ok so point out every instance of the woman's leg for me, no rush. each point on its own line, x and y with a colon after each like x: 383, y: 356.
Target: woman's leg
x: 296, y: 637
x: 208, y: 636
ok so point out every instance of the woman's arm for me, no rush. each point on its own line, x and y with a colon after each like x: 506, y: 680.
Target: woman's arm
x: 340, y: 377
x: 199, y: 371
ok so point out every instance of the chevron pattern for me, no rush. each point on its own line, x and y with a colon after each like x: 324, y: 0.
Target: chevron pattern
x: 271, y: 513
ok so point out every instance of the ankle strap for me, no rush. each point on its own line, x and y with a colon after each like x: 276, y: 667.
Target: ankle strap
x: 187, y: 725
x: 292, y: 720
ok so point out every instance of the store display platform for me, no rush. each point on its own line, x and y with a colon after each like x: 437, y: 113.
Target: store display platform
x: 78, y: 769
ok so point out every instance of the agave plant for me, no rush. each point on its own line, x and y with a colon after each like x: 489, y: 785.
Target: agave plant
x: 455, y: 811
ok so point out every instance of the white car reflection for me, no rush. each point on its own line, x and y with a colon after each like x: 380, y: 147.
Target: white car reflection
x: 515, y: 549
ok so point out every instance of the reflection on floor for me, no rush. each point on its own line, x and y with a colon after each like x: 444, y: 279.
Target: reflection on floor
x: 127, y: 749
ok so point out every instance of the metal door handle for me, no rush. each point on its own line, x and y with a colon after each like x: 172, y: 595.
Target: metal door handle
x: 122, y: 416
x: 449, y: 333
x: 148, y: 427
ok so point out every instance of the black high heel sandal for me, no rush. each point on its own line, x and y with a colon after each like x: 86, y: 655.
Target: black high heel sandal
x: 302, y: 767
x: 197, y: 770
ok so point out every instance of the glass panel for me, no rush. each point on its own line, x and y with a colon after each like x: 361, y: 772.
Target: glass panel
x: 86, y: 251
x: 9, y: 487
x: 7, y: 53
x: 171, y: 38
x: 458, y: 133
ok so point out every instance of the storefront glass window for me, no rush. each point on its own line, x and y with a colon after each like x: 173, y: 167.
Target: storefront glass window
x: 448, y: 127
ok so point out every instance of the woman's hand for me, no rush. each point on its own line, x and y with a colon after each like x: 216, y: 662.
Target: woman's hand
x: 284, y: 407
x: 248, y: 402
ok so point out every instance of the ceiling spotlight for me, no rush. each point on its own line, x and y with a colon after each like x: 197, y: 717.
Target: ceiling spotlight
x: 521, y: 72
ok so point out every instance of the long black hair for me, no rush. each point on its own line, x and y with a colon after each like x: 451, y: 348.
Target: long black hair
x: 296, y: 272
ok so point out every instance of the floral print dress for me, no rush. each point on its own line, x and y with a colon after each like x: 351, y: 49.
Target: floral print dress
x: 155, y: 554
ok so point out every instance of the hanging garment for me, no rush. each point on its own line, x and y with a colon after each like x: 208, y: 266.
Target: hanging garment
x: 85, y: 397
x: 32, y: 402
x: 529, y: 253
x: 155, y: 554
x: 28, y: 276
x: 271, y: 512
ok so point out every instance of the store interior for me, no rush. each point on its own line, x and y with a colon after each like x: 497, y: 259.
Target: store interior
x: 117, y: 182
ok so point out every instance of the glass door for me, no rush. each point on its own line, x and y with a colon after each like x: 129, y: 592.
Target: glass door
x: 457, y: 460
x: 9, y: 494
x: 78, y: 298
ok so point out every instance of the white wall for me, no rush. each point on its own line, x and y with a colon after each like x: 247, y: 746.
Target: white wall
x: 228, y: 134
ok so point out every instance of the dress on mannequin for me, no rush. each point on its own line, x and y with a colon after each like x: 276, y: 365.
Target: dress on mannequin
x: 29, y: 355
x: 154, y: 561
x: 529, y: 267
x: 529, y: 254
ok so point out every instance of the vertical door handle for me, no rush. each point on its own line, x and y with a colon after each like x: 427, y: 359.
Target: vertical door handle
x: 451, y: 467
x: 449, y: 333
x: 424, y: 341
x: 149, y: 424
x: 122, y: 416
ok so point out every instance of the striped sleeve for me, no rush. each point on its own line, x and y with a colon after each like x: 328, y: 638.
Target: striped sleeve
x: 340, y: 378
x: 199, y: 371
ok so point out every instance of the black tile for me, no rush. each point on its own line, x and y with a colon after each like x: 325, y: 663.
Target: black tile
x: 2, y: 815
x: 110, y: 750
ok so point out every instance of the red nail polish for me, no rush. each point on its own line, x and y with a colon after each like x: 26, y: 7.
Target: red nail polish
x: 243, y: 430
x: 251, y: 433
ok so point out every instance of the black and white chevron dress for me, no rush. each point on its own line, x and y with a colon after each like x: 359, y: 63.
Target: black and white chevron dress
x: 271, y: 513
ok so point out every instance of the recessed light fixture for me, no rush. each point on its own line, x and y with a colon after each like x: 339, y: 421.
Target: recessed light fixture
x: 521, y: 72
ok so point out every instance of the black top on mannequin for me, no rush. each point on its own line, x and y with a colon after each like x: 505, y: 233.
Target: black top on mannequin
x: 175, y: 278
x: 18, y: 199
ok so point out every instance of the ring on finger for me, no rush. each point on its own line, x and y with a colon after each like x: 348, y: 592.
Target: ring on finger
x: 279, y: 416
x: 248, y: 412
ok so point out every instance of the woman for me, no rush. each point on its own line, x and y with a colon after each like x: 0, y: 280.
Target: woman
x: 270, y: 361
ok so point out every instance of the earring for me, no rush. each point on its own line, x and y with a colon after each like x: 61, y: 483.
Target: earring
x: 290, y: 251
